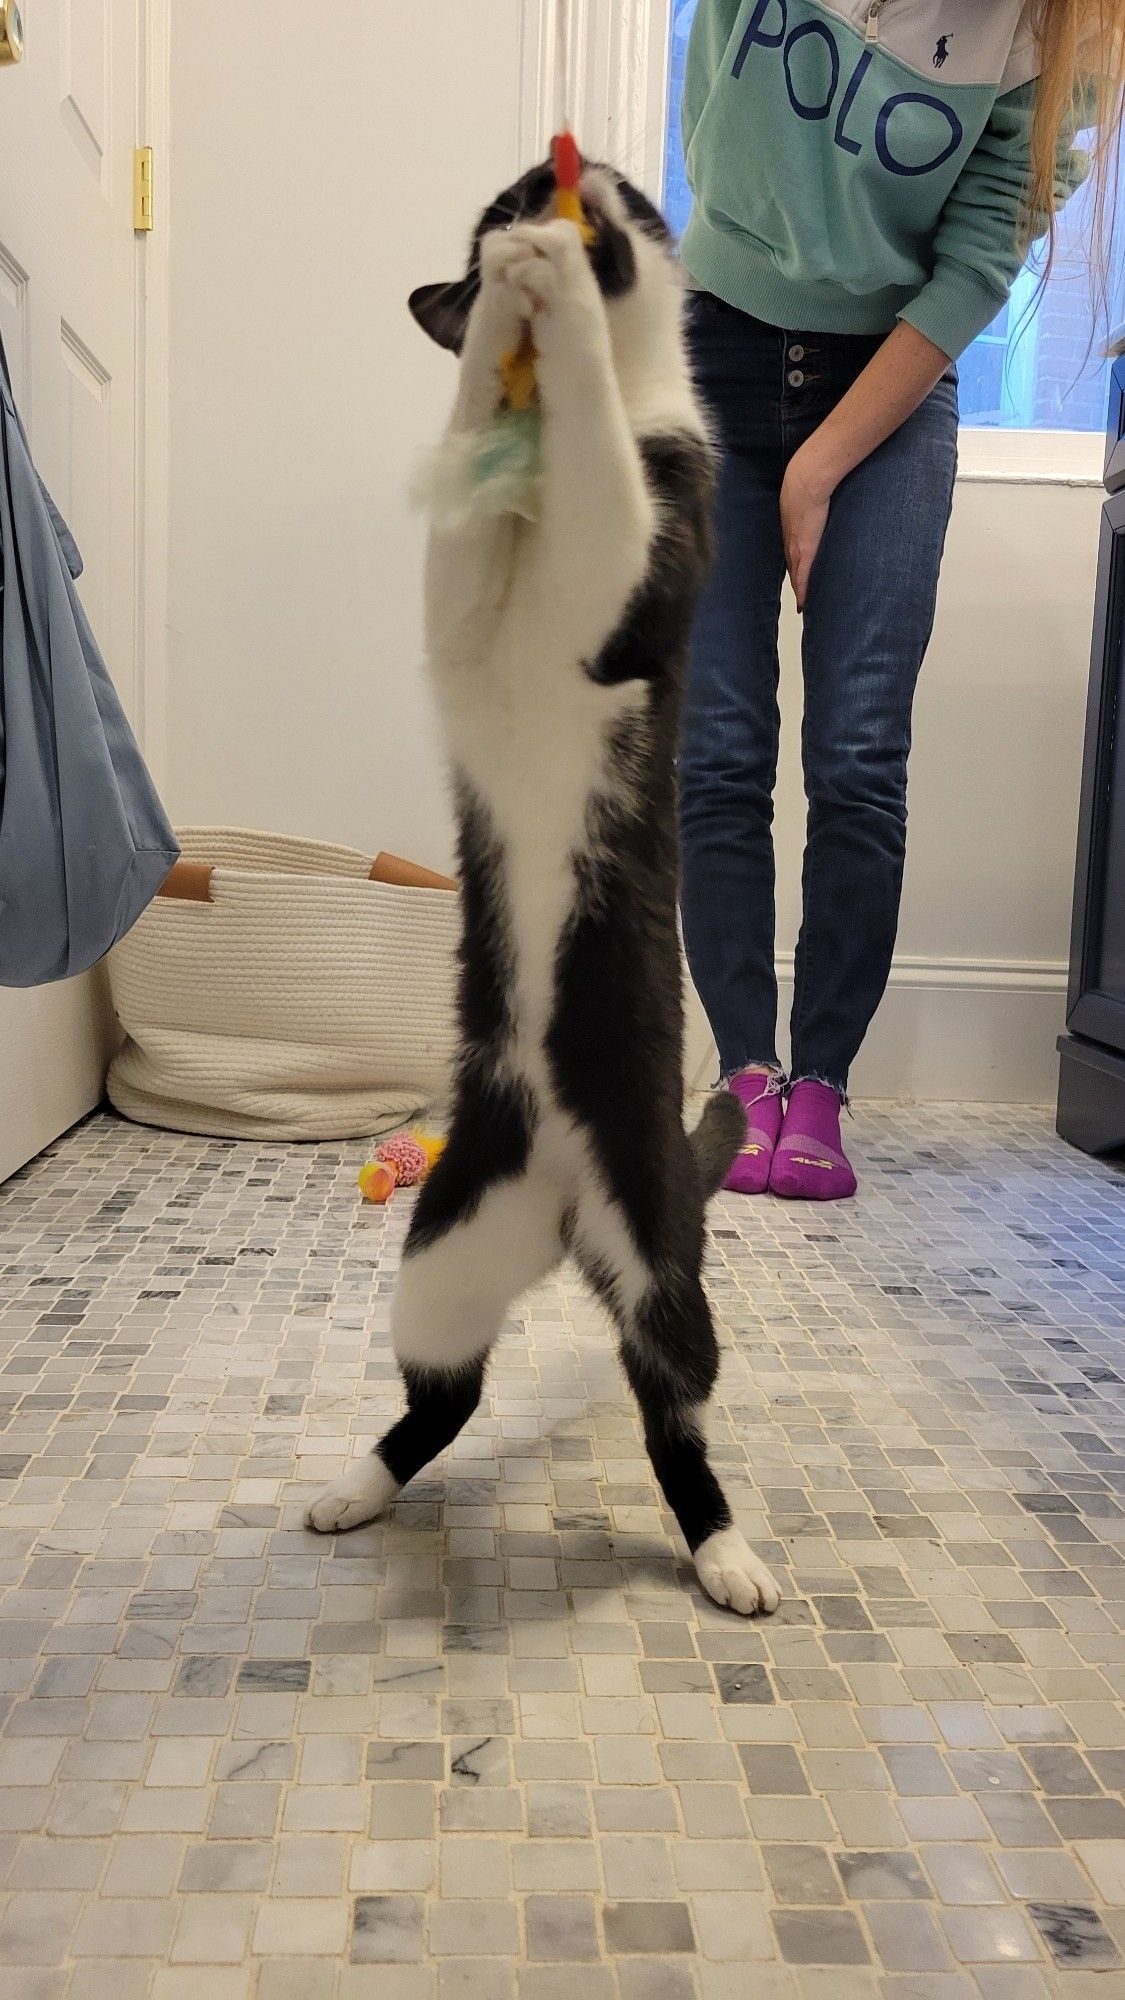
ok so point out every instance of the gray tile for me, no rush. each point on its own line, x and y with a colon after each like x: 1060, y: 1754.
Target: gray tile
x: 648, y: 1927
x: 655, y: 1980
x: 227, y: 1865
x: 801, y: 1873
x: 405, y: 1760
x: 1060, y: 1770
x: 561, y: 1928
x: 1074, y: 1935
x: 1088, y: 1819
x: 819, y: 1937
x: 907, y: 1940
x: 773, y: 1768
x: 387, y: 1930
x: 882, y: 1876
x: 273, y: 1676
x: 742, y: 1682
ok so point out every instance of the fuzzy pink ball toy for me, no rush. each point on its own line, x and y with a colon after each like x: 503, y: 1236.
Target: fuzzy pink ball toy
x: 405, y: 1157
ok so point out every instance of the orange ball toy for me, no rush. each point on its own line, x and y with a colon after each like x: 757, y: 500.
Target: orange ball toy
x: 377, y: 1181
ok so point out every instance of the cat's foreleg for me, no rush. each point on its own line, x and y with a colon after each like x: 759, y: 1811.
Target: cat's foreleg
x: 468, y: 562
x: 493, y: 328
x: 597, y: 517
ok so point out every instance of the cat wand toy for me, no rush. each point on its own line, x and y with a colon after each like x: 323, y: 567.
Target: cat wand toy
x: 517, y: 366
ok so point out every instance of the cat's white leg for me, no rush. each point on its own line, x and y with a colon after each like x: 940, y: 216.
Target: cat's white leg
x: 454, y: 1290
x: 597, y: 516
x: 494, y: 326
x: 452, y: 1294
x: 468, y: 565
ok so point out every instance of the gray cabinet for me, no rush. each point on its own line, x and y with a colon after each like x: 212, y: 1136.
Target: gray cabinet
x: 1091, y: 1104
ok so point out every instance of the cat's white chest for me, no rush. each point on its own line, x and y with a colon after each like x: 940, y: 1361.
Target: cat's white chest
x: 533, y: 735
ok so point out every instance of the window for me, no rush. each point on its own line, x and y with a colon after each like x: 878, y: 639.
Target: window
x: 1034, y: 368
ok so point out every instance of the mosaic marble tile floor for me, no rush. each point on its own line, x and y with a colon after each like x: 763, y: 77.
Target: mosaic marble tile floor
x: 499, y: 1747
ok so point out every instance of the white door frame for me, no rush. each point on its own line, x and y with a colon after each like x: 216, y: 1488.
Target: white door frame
x: 616, y: 88
x: 152, y: 307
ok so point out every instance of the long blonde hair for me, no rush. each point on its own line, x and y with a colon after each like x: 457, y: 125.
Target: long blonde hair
x: 1081, y: 80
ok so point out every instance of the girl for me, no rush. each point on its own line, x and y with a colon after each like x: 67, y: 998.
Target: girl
x: 867, y: 177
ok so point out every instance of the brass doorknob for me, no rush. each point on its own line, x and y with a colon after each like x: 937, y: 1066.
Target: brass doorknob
x: 11, y: 32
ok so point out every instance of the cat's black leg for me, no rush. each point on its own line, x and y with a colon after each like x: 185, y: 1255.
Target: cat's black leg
x: 485, y: 1228
x: 671, y: 1357
x: 439, y: 1403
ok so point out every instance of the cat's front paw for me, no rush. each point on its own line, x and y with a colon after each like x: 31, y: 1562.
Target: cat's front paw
x: 499, y: 311
x: 545, y: 266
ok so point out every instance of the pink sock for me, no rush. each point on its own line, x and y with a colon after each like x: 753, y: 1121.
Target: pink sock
x: 809, y: 1163
x: 758, y: 1091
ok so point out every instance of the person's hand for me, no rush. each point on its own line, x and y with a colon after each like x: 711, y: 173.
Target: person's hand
x: 806, y: 493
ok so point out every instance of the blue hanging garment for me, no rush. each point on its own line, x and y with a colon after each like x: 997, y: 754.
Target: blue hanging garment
x: 84, y: 841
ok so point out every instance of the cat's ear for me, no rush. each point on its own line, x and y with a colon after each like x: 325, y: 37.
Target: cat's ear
x: 443, y: 311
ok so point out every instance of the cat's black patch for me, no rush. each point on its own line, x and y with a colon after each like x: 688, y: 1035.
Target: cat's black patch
x: 439, y: 1404
x: 616, y: 1035
x: 490, y: 1141
x: 612, y: 258
x: 493, y: 1115
x: 671, y: 1357
x: 653, y: 635
x: 485, y: 957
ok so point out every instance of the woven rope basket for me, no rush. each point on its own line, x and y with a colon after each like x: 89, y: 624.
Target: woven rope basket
x: 285, y: 989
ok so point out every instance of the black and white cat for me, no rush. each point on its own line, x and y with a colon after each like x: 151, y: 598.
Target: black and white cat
x: 557, y: 649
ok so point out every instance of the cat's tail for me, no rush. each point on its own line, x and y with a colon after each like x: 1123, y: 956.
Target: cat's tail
x: 717, y: 1137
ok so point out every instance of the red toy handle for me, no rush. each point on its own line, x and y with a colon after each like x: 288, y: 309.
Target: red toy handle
x: 567, y: 159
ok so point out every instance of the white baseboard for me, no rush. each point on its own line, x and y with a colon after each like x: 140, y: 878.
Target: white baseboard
x: 975, y: 1029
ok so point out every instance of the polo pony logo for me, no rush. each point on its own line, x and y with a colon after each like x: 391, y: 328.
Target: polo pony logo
x: 941, y: 53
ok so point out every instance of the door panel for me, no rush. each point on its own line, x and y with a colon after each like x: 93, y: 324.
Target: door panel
x: 85, y: 80
x: 86, y: 499
x: 13, y: 319
x: 68, y: 269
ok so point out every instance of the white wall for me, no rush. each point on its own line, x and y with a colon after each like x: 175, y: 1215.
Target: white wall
x: 315, y: 180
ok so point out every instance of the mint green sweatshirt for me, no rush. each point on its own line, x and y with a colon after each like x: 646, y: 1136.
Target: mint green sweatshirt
x: 855, y: 162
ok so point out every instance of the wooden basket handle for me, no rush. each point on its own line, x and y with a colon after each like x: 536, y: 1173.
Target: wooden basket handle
x: 190, y: 881
x: 407, y: 874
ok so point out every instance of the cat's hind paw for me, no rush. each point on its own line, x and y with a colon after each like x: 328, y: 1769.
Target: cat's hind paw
x: 365, y: 1491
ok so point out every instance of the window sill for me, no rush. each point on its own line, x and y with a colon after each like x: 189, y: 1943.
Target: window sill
x: 1031, y: 458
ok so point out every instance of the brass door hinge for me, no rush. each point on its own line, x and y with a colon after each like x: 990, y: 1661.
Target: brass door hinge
x: 11, y: 32
x: 142, y: 187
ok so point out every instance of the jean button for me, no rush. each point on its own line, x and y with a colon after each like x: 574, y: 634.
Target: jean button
x: 796, y: 352
x: 796, y: 378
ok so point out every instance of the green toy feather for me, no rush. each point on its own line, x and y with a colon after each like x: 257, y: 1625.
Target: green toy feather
x: 487, y: 472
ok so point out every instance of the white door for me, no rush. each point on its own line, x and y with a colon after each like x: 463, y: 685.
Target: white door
x: 68, y: 114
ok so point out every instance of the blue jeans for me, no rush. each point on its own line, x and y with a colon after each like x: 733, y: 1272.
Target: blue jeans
x: 867, y: 623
